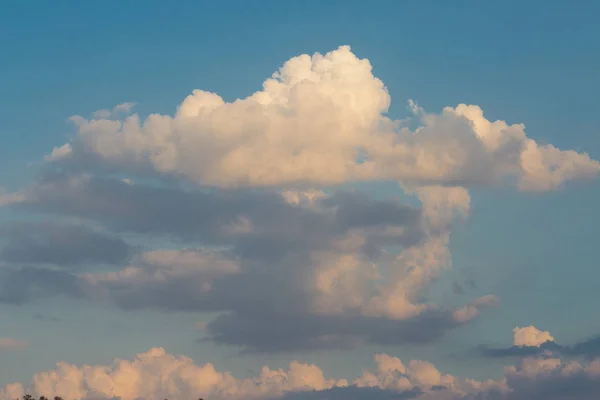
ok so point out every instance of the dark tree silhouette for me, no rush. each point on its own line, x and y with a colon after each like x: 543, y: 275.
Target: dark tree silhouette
x: 30, y: 397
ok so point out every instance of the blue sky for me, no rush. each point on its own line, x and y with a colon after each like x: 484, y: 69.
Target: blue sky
x: 529, y: 62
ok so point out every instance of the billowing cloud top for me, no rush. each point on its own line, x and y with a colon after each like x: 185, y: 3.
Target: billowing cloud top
x: 531, y: 336
x: 320, y: 120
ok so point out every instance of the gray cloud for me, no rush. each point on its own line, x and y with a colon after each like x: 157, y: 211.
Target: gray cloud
x: 464, y: 282
x: 267, y: 305
x: 60, y: 244
x: 579, y: 385
x: 44, y: 317
x: 204, y: 215
x: 18, y: 286
x: 353, y: 393
x: 260, y: 314
x: 587, y: 348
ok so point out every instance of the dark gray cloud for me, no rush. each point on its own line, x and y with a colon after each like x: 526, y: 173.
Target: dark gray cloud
x: 587, y: 348
x: 353, y: 393
x: 552, y: 386
x: 268, y: 305
x: 518, y: 351
x: 60, y: 244
x: 521, y: 383
x: 578, y: 385
x: 258, y: 316
x: 457, y: 288
x: 465, y: 281
x: 264, y: 332
x: 44, y: 317
x: 209, y: 216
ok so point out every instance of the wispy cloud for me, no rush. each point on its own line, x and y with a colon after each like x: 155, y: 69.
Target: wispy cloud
x: 12, y: 344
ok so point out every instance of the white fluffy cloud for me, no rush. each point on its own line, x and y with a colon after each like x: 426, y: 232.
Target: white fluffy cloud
x: 529, y: 341
x: 321, y: 120
x: 531, y: 336
x: 157, y: 374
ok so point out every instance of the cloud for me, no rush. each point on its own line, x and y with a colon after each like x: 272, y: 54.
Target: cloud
x: 464, y: 284
x: 312, y: 262
x: 44, y: 317
x: 73, y: 246
x: 20, y: 285
x: 8, y: 198
x: 471, y: 310
x: 250, y: 192
x: 188, y: 259
x: 551, y: 378
x: 12, y: 344
x: 529, y: 341
x: 531, y: 336
x: 353, y: 393
x: 201, y: 325
x: 215, y: 216
x: 59, y: 153
x: 205, y: 280
x: 320, y: 120
x: 254, y: 331
x: 158, y: 374
x: 123, y: 108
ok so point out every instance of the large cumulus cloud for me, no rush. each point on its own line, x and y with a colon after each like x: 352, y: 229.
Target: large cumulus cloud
x: 321, y: 120
x: 247, y: 194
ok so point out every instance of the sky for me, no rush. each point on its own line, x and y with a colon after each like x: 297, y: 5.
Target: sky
x: 299, y: 200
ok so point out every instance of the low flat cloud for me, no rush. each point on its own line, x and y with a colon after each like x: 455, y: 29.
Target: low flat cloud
x: 45, y: 317
x: 254, y: 330
x: 163, y: 375
x: 65, y: 245
x: 529, y: 341
x: 353, y: 393
x: 244, y: 213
